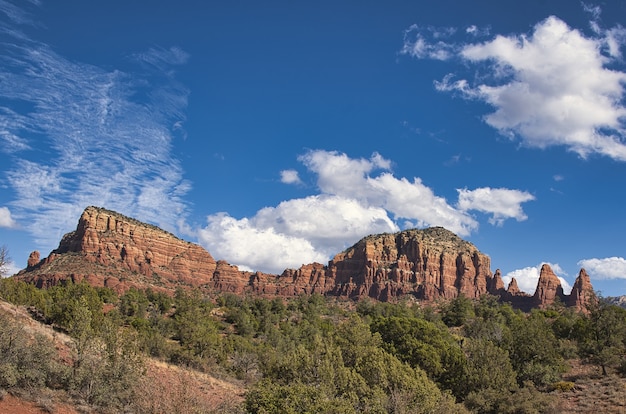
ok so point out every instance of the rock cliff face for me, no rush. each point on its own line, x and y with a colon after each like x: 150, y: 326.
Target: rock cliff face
x: 429, y: 264
x: 582, y: 292
x: 109, y: 249
x: 548, y: 288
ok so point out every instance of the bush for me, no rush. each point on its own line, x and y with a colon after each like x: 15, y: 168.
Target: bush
x: 562, y: 386
x: 27, y: 361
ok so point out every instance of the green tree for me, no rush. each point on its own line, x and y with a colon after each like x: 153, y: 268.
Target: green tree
x: 22, y: 293
x: 488, y: 367
x: 65, y: 300
x: 534, y: 350
x: 602, y: 335
x: 423, y: 344
x: 195, y: 328
x: 457, y: 311
x: 134, y: 303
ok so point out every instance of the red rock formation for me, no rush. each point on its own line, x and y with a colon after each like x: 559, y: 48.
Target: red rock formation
x: 582, y: 292
x: 513, y: 289
x: 497, y: 284
x: 112, y: 250
x: 109, y: 249
x: 548, y: 288
x: 429, y: 264
x: 33, y: 259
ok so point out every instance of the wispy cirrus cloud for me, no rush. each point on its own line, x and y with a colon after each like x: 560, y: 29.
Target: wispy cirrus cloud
x: 110, y: 133
x: 552, y: 87
x: 356, y: 197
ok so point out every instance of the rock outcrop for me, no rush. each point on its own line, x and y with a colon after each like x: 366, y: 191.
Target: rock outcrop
x: 548, y: 289
x: 582, y: 294
x: 109, y: 249
x: 428, y: 264
x: 112, y: 250
x: 33, y: 259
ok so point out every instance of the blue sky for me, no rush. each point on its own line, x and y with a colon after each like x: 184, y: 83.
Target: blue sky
x: 279, y: 133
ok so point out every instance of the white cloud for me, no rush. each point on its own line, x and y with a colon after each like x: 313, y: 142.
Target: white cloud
x: 528, y: 277
x: 12, y: 268
x: 418, y: 43
x: 550, y: 88
x: 501, y: 203
x: 107, y: 135
x: 353, y: 202
x: 294, y: 233
x: 339, y: 174
x: 290, y: 177
x: 5, y: 218
x: 243, y: 244
x: 602, y: 269
x: 352, y: 178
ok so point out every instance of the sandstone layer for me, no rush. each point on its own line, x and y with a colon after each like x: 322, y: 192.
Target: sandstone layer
x: 112, y: 250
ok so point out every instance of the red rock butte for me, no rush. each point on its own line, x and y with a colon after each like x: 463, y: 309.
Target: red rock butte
x: 112, y: 250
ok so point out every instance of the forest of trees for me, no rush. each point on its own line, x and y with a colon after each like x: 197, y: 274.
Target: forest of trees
x: 309, y: 354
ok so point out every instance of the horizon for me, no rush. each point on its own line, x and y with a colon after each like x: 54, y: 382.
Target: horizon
x: 276, y: 135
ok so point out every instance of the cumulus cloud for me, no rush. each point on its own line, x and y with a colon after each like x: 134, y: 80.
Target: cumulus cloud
x: 501, y: 203
x: 528, y: 277
x: 552, y: 87
x: 5, y: 218
x: 293, y: 233
x: 603, y: 269
x: 108, y: 135
x: 290, y: 177
x: 357, y: 197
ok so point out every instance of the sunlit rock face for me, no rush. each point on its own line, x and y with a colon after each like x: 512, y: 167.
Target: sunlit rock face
x: 112, y: 250
x: 428, y: 264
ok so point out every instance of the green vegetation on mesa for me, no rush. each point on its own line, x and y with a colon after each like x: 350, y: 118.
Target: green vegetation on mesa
x: 310, y: 354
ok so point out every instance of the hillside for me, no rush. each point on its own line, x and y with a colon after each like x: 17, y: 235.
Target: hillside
x: 165, y: 387
x: 149, y: 353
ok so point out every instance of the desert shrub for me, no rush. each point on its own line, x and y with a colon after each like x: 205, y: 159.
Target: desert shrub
x: 160, y: 301
x: 295, y: 398
x: 527, y: 400
x: 22, y: 293
x: 27, y: 361
x: 562, y: 386
x: 107, y: 368
x: 134, y: 303
x: 68, y: 302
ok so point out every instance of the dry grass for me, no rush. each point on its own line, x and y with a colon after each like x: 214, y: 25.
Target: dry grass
x: 592, y: 392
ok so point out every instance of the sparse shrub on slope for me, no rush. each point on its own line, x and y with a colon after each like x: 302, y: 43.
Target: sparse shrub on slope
x: 27, y: 361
